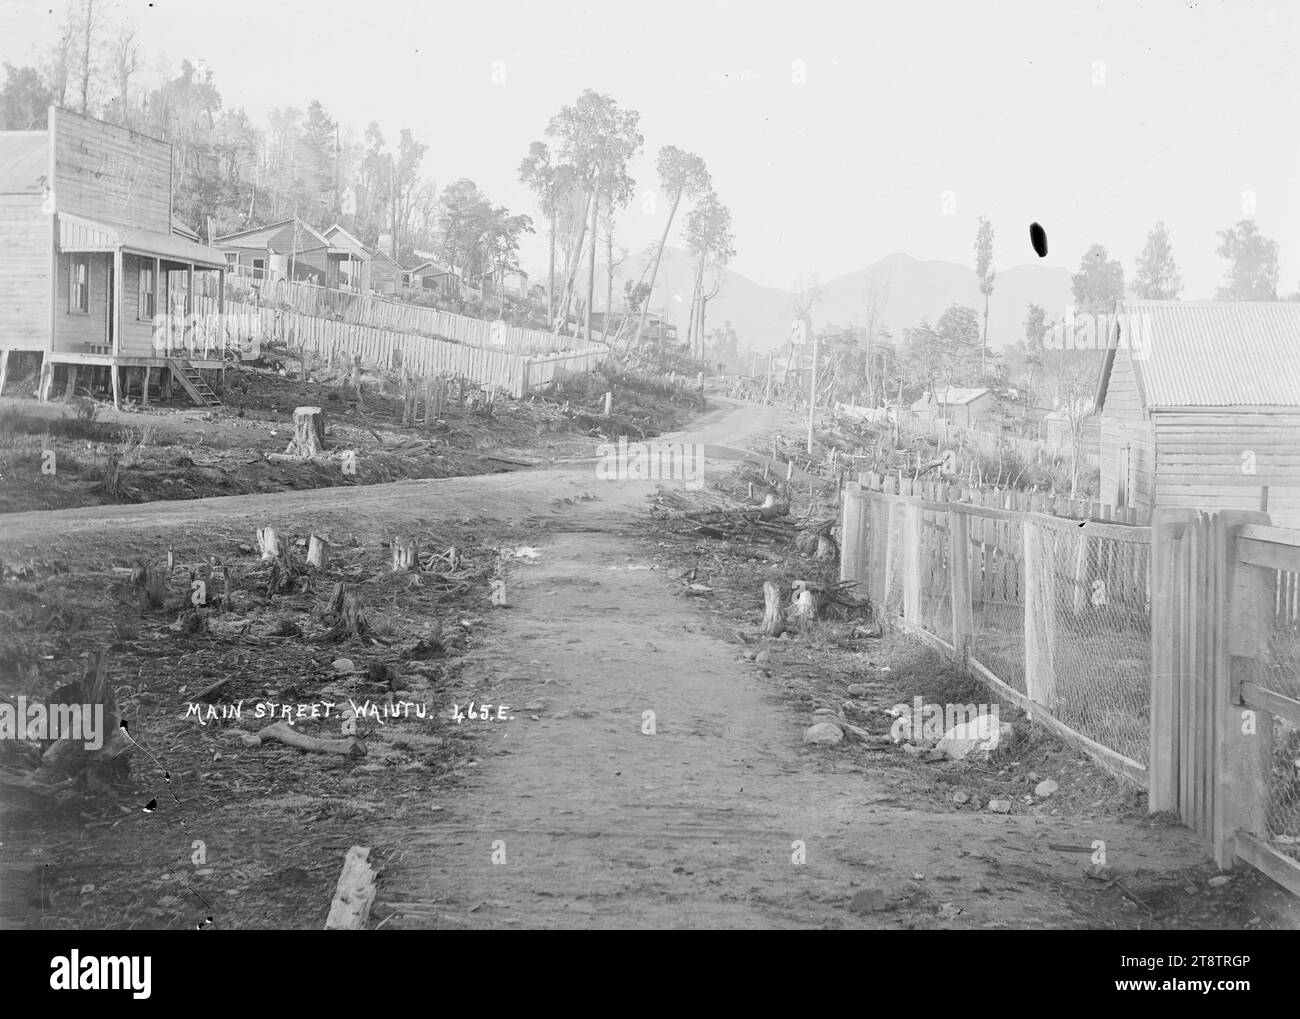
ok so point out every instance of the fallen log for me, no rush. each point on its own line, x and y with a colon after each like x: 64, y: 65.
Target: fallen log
x: 279, y: 732
x: 355, y: 893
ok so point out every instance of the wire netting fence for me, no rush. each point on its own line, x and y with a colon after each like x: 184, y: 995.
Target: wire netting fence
x: 1281, y: 674
x: 1056, y: 613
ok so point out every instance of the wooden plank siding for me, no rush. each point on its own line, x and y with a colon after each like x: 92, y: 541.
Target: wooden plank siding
x: 74, y: 332
x: 25, y: 256
x: 1201, y: 458
x: 1137, y: 436
x: 106, y: 172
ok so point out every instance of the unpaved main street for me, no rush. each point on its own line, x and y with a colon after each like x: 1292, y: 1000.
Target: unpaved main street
x: 577, y: 816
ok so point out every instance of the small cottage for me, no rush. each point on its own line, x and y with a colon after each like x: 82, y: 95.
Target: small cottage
x: 961, y: 407
x: 1199, y: 404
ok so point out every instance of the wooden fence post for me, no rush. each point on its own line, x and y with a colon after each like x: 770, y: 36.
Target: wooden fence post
x: 959, y: 575
x: 853, y: 550
x: 1040, y: 617
x: 1169, y: 534
x: 1242, y: 759
x: 912, y: 563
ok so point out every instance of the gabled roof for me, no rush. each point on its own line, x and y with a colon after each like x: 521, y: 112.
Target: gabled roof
x: 951, y: 396
x: 308, y: 238
x: 24, y: 161
x: 380, y: 255
x: 340, y: 237
x: 1208, y: 353
x: 184, y: 230
x: 429, y: 268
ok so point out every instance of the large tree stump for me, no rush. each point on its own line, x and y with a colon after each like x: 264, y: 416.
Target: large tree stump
x: 268, y: 542
x: 406, y: 554
x: 826, y: 547
x: 773, y: 611
x: 344, y: 615
x: 308, y: 432
x: 318, y: 552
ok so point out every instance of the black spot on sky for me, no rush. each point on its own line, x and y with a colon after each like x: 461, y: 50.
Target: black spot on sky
x: 1038, y: 238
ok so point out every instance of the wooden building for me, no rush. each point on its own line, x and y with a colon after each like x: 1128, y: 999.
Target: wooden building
x: 385, y: 272
x: 92, y: 269
x: 429, y: 275
x: 961, y: 407
x: 1200, y: 407
x: 352, y: 271
x: 294, y: 250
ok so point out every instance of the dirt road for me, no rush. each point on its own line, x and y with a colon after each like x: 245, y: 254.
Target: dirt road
x: 584, y: 814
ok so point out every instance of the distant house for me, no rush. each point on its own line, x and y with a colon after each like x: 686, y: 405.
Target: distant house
x: 961, y: 407
x: 1200, y: 407
x: 1055, y: 426
x: 430, y: 275
x: 385, y: 272
x: 290, y: 249
x: 354, y: 270
x: 94, y: 272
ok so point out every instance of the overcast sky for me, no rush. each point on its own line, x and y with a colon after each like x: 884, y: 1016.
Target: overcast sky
x: 1095, y: 119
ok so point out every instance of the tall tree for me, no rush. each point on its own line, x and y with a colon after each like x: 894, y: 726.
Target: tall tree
x: 319, y: 156
x: 24, y: 99
x: 958, y: 330
x: 597, y: 138
x: 683, y: 175
x: 1156, y: 276
x: 1098, y: 284
x: 708, y: 237
x: 1252, y: 274
x: 88, y: 25
x: 551, y: 182
x: 985, y: 273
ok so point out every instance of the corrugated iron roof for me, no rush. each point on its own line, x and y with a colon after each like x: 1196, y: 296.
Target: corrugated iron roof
x: 76, y: 233
x: 24, y: 161
x: 1215, y: 353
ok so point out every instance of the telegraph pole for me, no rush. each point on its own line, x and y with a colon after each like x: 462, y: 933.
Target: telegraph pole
x: 812, y: 395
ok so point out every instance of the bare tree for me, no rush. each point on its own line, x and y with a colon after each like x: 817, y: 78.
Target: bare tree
x: 124, y: 52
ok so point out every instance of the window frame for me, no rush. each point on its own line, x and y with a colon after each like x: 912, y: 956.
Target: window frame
x: 141, y: 314
x: 75, y: 306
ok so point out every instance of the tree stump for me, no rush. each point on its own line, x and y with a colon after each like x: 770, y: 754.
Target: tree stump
x: 344, y: 615
x: 406, y: 554
x: 826, y: 547
x: 355, y: 893
x: 773, y: 611
x: 150, y: 582
x: 308, y: 432
x: 318, y: 552
x: 804, y: 609
x: 268, y: 542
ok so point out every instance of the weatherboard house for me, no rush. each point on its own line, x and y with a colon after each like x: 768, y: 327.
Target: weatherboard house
x: 94, y: 270
x: 1203, y: 413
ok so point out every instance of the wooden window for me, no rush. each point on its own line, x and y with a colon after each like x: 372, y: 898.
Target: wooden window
x: 148, y: 291
x: 1123, y: 476
x: 79, y: 284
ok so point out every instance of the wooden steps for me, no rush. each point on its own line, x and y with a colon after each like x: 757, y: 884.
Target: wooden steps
x: 191, y: 381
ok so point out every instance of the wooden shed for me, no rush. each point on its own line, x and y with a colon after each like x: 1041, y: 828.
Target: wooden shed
x: 1200, y: 407
x: 960, y: 406
x: 92, y: 269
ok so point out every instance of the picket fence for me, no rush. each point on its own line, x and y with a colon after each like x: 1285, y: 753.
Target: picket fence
x: 370, y: 310
x: 333, y: 341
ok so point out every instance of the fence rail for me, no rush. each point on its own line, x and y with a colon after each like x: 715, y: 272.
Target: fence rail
x: 391, y: 350
x: 371, y: 310
x: 1027, y: 602
x: 1169, y: 654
